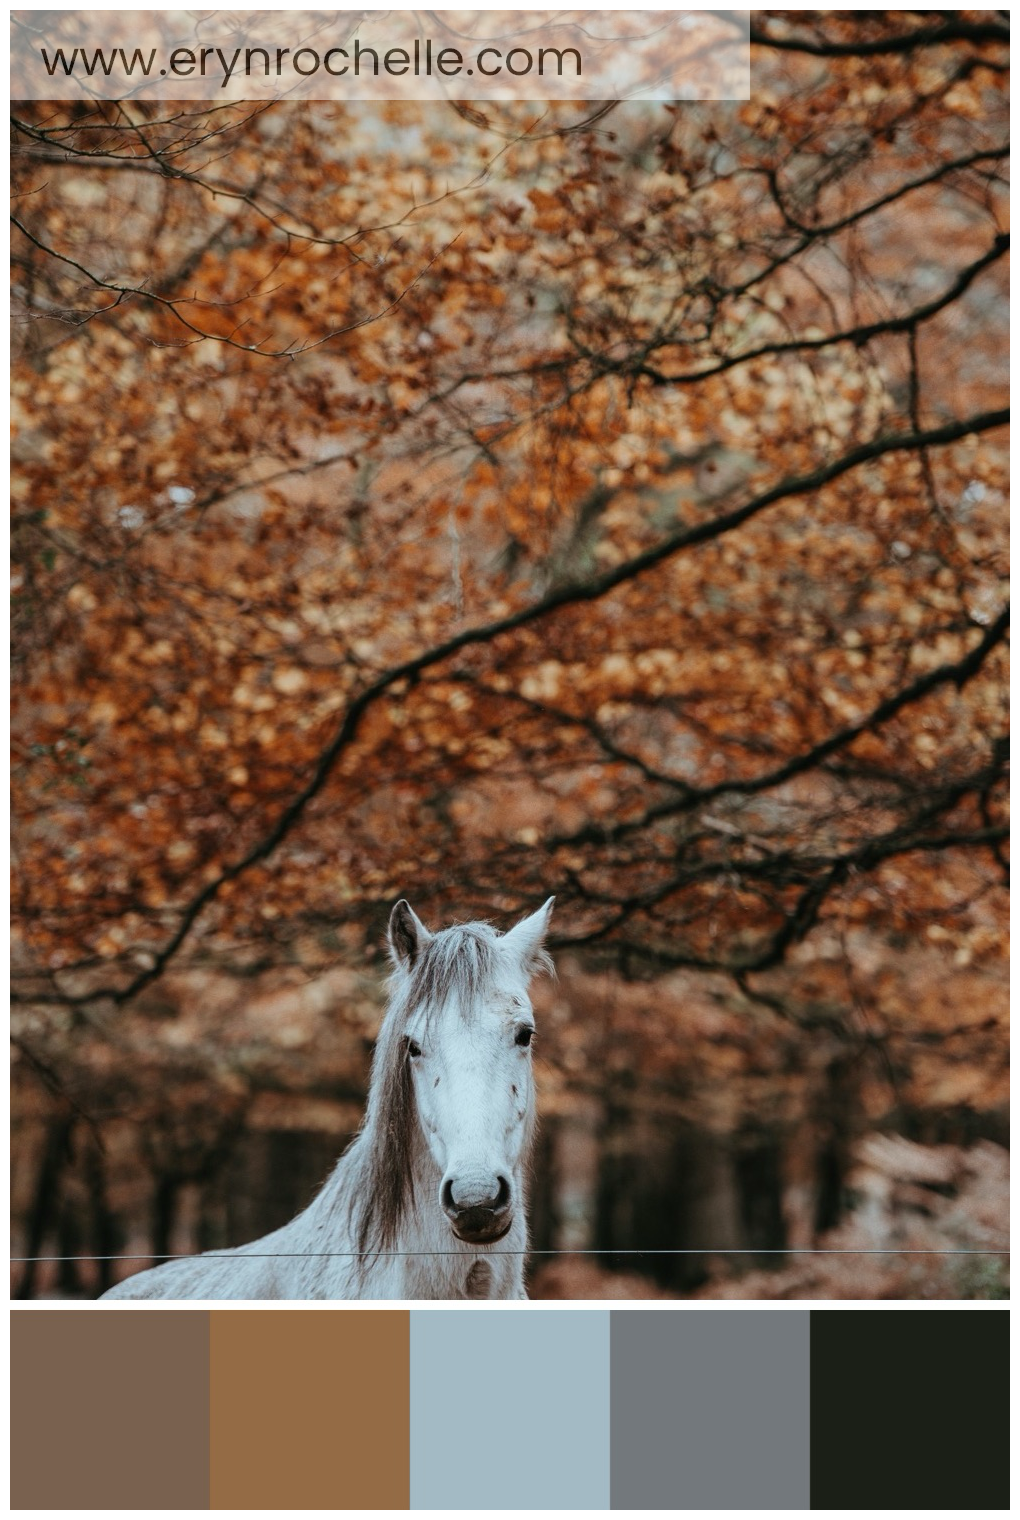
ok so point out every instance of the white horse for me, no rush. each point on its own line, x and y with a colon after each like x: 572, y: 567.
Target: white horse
x: 428, y: 1200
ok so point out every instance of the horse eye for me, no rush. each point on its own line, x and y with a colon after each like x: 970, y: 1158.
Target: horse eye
x: 523, y: 1036
x: 413, y: 1049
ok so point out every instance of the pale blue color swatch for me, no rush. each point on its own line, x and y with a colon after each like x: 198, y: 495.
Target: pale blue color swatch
x: 510, y: 1410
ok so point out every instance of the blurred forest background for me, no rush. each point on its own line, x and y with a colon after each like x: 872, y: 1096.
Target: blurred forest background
x: 475, y: 503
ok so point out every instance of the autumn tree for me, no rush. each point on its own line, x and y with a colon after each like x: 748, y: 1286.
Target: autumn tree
x: 483, y: 503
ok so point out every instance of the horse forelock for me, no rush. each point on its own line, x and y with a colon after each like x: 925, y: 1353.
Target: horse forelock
x: 457, y: 965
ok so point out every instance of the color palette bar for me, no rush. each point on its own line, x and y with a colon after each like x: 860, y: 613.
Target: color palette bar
x: 487, y: 1409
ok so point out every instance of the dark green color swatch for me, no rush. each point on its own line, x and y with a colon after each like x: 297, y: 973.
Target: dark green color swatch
x: 909, y: 1409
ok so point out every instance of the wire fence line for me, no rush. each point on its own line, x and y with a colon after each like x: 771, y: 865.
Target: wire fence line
x: 233, y: 1254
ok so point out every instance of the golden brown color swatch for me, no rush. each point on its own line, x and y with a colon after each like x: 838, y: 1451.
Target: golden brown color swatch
x: 109, y: 1410
x: 309, y: 1409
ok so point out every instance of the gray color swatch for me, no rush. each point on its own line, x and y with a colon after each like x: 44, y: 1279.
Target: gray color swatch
x: 710, y: 1409
x: 509, y: 1411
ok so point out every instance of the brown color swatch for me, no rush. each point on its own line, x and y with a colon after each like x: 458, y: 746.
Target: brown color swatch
x: 309, y: 1409
x: 109, y: 1409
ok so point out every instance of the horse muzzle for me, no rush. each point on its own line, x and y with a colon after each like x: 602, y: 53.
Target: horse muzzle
x: 478, y: 1216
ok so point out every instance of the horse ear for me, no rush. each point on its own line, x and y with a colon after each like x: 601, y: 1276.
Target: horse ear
x: 407, y: 935
x: 526, y: 939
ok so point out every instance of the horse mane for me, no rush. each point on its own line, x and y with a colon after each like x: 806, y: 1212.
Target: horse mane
x: 454, y: 963
x: 384, y: 1189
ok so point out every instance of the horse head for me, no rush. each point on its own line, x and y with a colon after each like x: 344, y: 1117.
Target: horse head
x: 465, y: 1031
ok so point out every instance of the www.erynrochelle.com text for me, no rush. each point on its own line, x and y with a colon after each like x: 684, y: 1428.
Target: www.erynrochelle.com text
x: 419, y: 60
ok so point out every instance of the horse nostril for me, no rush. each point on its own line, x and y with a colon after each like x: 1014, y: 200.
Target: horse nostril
x: 446, y: 1199
x: 502, y: 1198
